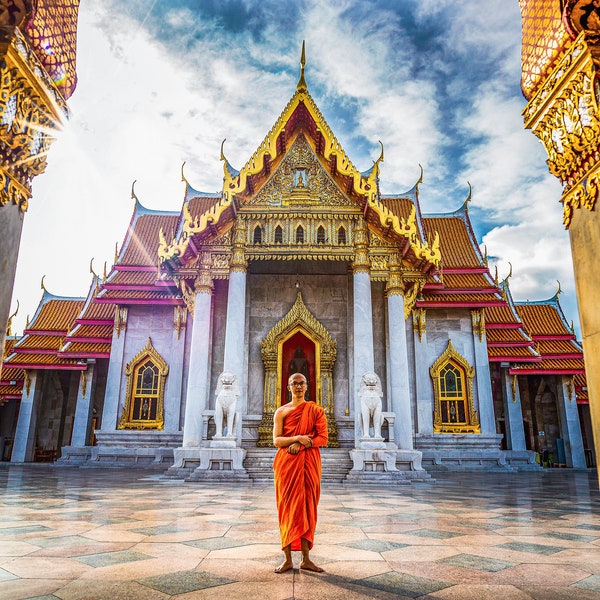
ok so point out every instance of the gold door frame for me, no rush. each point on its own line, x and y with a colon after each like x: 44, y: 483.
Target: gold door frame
x: 299, y: 318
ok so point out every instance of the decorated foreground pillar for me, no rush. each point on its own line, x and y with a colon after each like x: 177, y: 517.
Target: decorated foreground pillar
x: 560, y: 79
x: 34, y: 84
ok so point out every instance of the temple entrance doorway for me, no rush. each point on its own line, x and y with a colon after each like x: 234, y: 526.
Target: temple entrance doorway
x: 298, y: 355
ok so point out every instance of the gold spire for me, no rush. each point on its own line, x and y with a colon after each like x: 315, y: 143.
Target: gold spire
x: 91, y: 267
x: 9, y: 322
x: 182, y: 175
x: 558, y: 291
x: 468, y: 198
x: 301, y: 87
x: 116, y: 253
x: 133, y: 196
x: 42, y: 283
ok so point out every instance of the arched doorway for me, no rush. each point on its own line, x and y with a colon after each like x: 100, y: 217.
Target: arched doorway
x: 299, y: 329
x: 298, y: 354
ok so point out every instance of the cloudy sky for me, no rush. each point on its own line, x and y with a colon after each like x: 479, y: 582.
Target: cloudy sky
x: 164, y: 81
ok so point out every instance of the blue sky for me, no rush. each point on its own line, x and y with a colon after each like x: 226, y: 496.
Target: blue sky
x: 165, y: 81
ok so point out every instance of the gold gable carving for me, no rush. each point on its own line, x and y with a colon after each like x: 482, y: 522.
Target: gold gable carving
x: 300, y: 180
x: 299, y: 318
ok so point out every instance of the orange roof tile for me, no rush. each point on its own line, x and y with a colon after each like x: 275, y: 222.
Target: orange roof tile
x: 455, y: 242
x: 85, y: 349
x: 56, y: 314
x: 401, y: 207
x: 500, y: 315
x: 566, y: 366
x: 542, y: 320
x: 147, y: 278
x: 42, y: 361
x: 141, y: 244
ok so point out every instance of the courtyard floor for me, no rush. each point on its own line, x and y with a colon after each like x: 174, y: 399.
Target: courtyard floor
x: 118, y: 534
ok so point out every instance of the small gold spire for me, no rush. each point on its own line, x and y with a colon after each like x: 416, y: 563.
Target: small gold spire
x: 9, y: 322
x: 116, y: 253
x: 468, y: 198
x: 27, y: 322
x: 496, y: 275
x: 419, y: 181
x: 558, y: 291
x: 91, y: 267
x: 133, y: 196
x: 222, y: 157
x: 104, y: 273
x: 301, y: 82
x: 183, y: 176
x: 510, y: 272
x: 42, y: 283
x: 485, y: 256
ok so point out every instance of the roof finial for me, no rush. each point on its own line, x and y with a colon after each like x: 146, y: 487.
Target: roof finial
x: 133, y: 196
x: 116, y: 253
x: 420, y: 180
x: 182, y: 175
x: 510, y: 272
x: 558, y: 291
x: 104, y: 272
x: 91, y: 267
x: 485, y: 256
x: 468, y: 198
x: 301, y: 82
x: 42, y: 283
x: 222, y: 157
x: 9, y: 322
x: 496, y: 275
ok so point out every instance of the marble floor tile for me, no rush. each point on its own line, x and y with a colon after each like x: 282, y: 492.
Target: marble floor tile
x: 76, y: 534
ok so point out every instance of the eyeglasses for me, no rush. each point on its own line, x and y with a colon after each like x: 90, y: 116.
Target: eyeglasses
x: 297, y: 383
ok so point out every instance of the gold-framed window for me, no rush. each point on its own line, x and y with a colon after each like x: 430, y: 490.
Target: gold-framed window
x: 144, y: 396
x: 454, y: 410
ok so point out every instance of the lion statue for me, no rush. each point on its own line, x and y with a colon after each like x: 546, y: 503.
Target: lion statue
x: 225, y: 404
x: 370, y: 403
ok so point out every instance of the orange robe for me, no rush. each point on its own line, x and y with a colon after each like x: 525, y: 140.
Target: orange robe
x: 298, y: 476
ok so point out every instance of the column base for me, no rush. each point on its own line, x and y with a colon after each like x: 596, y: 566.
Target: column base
x: 220, y: 464
x: 385, y: 466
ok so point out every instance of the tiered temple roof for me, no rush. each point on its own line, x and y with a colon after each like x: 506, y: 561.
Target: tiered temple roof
x: 90, y: 335
x: 555, y: 341
x: 12, y: 379
x: 39, y: 348
x: 134, y: 276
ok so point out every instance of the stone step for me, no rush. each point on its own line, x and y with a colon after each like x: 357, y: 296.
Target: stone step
x: 336, y: 464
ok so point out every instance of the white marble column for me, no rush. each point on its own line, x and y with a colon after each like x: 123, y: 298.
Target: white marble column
x: 174, y: 383
x: 116, y: 368
x: 198, y: 383
x: 24, y: 444
x: 423, y: 387
x: 398, y: 375
x: 485, y: 401
x: 83, y: 410
x: 235, y: 330
x: 513, y: 413
x: 570, y: 428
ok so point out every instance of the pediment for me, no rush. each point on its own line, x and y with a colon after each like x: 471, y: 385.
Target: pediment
x: 300, y: 181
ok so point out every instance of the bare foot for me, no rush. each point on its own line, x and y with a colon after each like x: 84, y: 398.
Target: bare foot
x: 286, y: 565
x: 309, y: 565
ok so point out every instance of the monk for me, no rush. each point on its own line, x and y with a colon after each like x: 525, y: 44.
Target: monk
x: 299, y: 428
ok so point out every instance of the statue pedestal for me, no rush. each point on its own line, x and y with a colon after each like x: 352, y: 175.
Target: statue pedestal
x: 220, y: 463
x: 386, y: 465
x: 215, y: 462
x: 223, y: 441
x: 372, y: 443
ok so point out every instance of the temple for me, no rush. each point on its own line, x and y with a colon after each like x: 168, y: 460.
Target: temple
x: 178, y: 357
